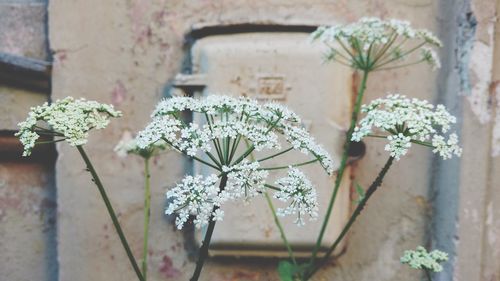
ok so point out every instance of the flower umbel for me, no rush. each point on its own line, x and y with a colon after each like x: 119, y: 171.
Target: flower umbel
x: 70, y: 119
x: 224, y: 134
x: 128, y: 145
x: 405, y: 121
x: 372, y: 43
x: 299, y: 190
x: 421, y: 259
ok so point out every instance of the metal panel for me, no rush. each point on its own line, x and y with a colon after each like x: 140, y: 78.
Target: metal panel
x: 287, y: 68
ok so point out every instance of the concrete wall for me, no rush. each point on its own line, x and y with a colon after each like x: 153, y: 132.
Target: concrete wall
x: 128, y: 52
x: 28, y: 249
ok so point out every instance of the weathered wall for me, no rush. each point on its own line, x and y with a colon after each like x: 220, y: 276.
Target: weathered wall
x: 27, y: 190
x: 126, y: 52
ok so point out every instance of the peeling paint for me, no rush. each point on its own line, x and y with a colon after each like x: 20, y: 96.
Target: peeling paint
x: 481, y: 66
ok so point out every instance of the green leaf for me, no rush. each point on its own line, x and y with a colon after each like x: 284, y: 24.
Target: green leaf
x: 285, y: 271
x: 361, y: 193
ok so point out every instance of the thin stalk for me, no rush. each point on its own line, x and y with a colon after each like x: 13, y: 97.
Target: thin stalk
x: 288, y: 166
x: 343, y: 164
x: 403, y: 55
x: 280, y: 227
x: 51, y: 141
x: 428, y: 275
x: 274, y: 155
x: 111, y: 212
x: 205, y: 162
x: 272, y: 187
x: 215, y: 141
x: 208, y: 236
x: 412, y: 141
x: 399, y: 66
x: 147, y: 216
x: 373, y: 187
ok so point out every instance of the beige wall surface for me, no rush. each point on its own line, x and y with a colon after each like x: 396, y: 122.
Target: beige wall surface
x: 128, y: 52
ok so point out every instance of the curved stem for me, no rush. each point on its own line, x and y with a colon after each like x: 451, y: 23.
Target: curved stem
x: 280, y: 227
x: 208, y: 236
x: 373, y: 187
x: 147, y: 216
x: 343, y: 164
x: 111, y: 212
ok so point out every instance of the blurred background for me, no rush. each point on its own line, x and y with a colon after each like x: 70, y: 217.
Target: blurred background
x: 132, y: 53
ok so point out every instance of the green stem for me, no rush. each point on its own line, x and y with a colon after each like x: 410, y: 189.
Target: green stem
x: 274, y: 155
x: 147, y: 216
x: 373, y: 187
x: 288, y: 166
x: 280, y: 227
x: 208, y: 236
x: 111, y: 212
x: 272, y: 187
x: 205, y: 162
x: 428, y: 275
x: 343, y: 164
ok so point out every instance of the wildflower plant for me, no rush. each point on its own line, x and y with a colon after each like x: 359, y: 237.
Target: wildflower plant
x: 71, y: 120
x: 403, y: 121
x: 429, y: 262
x: 375, y: 44
x: 369, y: 45
x: 68, y: 119
x: 128, y: 146
x: 223, y: 135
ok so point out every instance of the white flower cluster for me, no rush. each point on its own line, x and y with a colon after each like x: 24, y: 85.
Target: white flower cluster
x: 68, y: 118
x: 228, y: 123
x: 128, y: 145
x: 371, y: 42
x: 195, y: 196
x: 409, y: 121
x: 299, y: 190
x: 245, y: 180
x: 421, y: 259
x: 229, y: 118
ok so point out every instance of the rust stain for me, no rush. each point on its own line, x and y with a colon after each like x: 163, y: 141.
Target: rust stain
x: 118, y: 94
x: 167, y: 268
x: 243, y: 275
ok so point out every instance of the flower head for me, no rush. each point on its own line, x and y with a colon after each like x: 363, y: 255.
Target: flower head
x: 194, y: 196
x: 128, y: 145
x: 69, y: 118
x: 297, y: 189
x: 405, y: 121
x: 421, y: 259
x: 224, y: 133
x: 372, y: 43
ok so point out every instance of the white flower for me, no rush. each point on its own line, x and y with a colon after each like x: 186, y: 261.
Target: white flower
x: 195, y: 196
x: 223, y: 134
x: 372, y: 43
x: 421, y: 259
x: 68, y: 118
x: 298, y: 190
x: 128, y: 145
x: 245, y: 180
x: 398, y: 145
x: 446, y: 149
x: 218, y: 215
x: 430, y: 56
x: 404, y: 121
